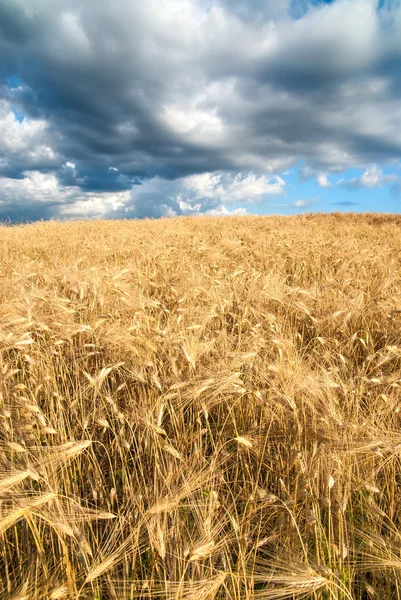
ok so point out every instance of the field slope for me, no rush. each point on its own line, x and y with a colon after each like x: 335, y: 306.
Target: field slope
x: 201, y: 408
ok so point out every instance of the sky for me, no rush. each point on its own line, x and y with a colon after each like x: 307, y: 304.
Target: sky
x: 152, y: 108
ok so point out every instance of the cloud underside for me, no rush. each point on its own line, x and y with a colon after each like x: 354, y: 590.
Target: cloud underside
x: 126, y: 106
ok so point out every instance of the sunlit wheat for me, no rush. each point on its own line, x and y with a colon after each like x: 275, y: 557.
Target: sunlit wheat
x: 201, y: 409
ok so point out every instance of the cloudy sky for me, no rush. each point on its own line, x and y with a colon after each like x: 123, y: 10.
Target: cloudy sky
x: 148, y: 108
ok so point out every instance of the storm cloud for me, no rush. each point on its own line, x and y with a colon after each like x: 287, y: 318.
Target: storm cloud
x: 119, y: 107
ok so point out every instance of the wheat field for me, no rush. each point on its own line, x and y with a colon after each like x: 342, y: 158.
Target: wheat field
x: 201, y: 408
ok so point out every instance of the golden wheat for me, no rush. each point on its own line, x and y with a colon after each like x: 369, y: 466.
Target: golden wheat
x: 201, y: 409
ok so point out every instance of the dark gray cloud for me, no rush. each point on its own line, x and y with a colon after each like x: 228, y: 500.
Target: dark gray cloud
x: 127, y: 92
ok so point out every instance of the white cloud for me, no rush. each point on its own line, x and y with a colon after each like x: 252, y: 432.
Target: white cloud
x: 306, y: 172
x: 19, y: 136
x: 35, y: 187
x: 26, y: 142
x: 96, y: 205
x: 238, y: 188
x: 41, y: 194
x: 373, y: 177
x: 305, y: 203
x: 322, y: 180
x: 206, y: 193
x: 223, y: 211
x: 195, y: 123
